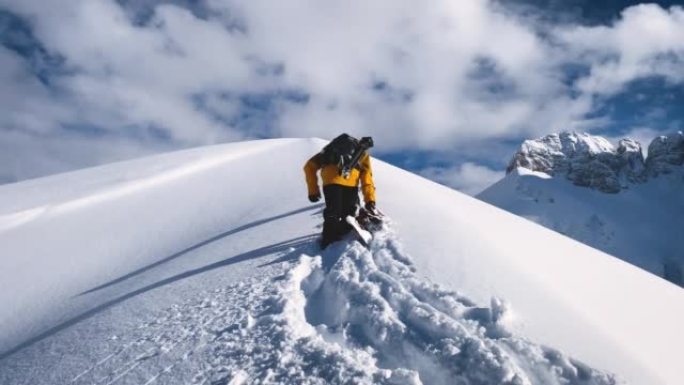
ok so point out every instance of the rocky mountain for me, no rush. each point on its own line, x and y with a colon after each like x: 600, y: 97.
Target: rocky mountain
x: 665, y: 153
x: 592, y: 161
x: 609, y: 197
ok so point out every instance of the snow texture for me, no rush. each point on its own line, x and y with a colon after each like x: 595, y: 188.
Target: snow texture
x: 350, y: 315
x: 201, y: 266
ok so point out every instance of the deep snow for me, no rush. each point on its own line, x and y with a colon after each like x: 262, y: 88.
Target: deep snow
x: 349, y: 315
x: 201, y: 267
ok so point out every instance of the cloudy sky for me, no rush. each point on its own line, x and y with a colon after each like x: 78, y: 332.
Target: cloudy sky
x: 447, y: 88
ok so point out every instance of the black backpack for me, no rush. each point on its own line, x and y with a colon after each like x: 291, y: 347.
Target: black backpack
x: 345, y: 151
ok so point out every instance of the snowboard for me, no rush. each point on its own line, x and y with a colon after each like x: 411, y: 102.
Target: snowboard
x: 364, y: 235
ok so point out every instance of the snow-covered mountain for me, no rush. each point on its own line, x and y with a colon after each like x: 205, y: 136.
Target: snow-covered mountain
x: 202, y: 266
x: 608, y: 197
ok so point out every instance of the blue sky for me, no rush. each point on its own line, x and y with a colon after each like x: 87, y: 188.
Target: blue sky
x: 448, y: 91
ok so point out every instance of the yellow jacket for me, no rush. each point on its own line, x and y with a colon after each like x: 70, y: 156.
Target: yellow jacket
x: 331, y: 175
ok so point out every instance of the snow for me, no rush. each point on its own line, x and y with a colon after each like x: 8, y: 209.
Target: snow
x: 374, y: 298
x: 201, y: 266
x: 636, y: 225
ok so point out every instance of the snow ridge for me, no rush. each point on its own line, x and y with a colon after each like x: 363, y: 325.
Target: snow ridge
x: 348, y: 315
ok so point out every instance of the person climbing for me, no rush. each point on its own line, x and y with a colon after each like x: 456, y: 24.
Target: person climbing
x: 343, y: 163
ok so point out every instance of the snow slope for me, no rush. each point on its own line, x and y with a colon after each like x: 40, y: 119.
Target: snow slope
x: 640, y: 225
x: 201, y: 266
x: 640, y: 222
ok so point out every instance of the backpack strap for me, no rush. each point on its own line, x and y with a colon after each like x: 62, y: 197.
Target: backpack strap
x: 364, y: 144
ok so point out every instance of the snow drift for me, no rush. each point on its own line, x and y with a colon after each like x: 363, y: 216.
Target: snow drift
x: 201, y: 266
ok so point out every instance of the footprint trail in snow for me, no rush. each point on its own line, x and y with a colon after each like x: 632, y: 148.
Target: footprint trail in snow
x: 370, y: 319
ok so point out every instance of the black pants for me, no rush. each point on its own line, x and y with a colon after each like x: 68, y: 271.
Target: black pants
x: 340, y: 201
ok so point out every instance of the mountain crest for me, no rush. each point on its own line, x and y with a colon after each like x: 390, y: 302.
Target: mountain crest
x: 592, y: 161
x: 665, y: 153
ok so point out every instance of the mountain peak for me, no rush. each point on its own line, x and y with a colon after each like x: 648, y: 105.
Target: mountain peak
x: 664, y: 152
x: 592, y: 161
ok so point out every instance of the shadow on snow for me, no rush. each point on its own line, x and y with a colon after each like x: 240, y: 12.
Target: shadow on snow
x: 290, y: 248
x: 197, y: 246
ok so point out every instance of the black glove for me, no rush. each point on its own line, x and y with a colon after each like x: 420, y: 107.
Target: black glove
x: 314, y: 198
x: 370, y: 206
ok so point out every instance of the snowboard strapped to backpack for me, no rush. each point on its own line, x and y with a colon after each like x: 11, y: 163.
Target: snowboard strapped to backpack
x: 345, y: 151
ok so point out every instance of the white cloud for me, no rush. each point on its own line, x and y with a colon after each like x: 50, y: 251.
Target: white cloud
x: 331, y: 49
x: 470, y: 178
x: 450, y: 73
x: 25, y: 103
x: 645, y: 41
x: 25, y: 156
